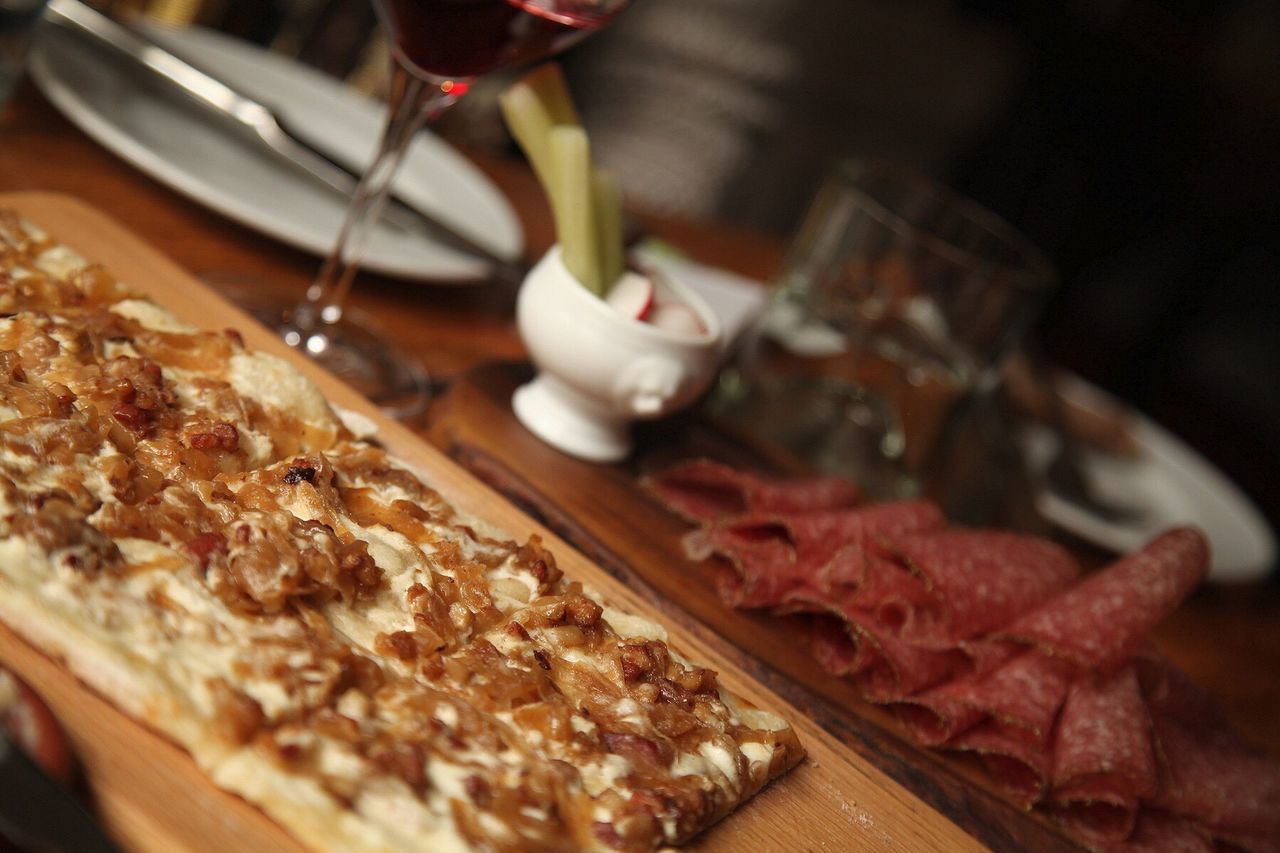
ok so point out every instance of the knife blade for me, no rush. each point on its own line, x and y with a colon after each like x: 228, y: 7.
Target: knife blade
x: 264, y: 126
x: 37, y: 812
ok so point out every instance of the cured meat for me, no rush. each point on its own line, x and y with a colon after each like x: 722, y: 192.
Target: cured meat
x: 775, y: 554
x: 1017, y: 763
x: 933, y: 718
x: 835, y: 650
x: 1160, y: 832
x: 1024, y: 693
x: 702, y: 490
x: 1210, y: 776
x: 902, y: 669
x: 989, y: 643
x: 1103, y: 761
x: 1103, y: 620
x: 986, y: 577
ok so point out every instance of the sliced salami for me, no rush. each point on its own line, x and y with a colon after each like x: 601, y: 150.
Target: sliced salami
x: 775, y: 554
x: 1103, y: 760
x: 702, y: 490
x: 1024, y: 693
x: 903, y: 669
x: 1016, y: 763
x: 934, y: 717
x: 1104, y: 619
x: 986, y: 577
x: 835, y: 651
x: 1160, y: 832
x: 1210, y: 776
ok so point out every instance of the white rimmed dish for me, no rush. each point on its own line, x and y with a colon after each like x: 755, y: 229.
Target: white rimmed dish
x: 1169, y: 482
x: 157, y: 131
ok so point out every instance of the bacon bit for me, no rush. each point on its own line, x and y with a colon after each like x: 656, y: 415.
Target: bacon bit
x: 606, y: 834
x: 674, y: 694
x: 297, y: 473
x: 361, y: 673
x: 131, y: 417
x: 433, y: 669
x: 222, y: 436
x: 477, y: 789
x: 235, y: 336
x: 583, y: 612
x: 541, y: 657
x: 400, y: 644
x: 635, y: 660
x: 243, y: 532
x: 406, y: 760
x: 515, y: 629
x: 649, y: 801
x: 204, y: 546
x: 360, y: 574
x: 290, y: 752
x: 539, y: 570
x: 238, y: 715
x: 638, y: 747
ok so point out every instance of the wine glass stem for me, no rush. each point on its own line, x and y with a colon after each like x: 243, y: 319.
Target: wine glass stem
x: 412, y: 101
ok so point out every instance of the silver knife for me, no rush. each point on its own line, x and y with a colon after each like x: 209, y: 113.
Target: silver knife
x: 38, y: 813
x: 260, y: 123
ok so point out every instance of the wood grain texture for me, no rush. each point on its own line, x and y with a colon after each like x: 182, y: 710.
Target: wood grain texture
x: 153, y: 797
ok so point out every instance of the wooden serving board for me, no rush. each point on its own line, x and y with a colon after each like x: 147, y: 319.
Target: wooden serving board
x: 603, y: 510
x: 151, y: 795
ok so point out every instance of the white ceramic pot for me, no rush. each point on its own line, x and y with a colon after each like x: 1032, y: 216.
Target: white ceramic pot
x: 598, y: 370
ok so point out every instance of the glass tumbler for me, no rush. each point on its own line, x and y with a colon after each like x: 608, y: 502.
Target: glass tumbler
x: 897, y: 302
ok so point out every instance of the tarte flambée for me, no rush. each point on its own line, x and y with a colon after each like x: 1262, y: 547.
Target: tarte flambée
x: 195, y: 532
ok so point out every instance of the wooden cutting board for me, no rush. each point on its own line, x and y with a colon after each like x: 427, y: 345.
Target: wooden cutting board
x: 150, y: 794
x: 603, y: 511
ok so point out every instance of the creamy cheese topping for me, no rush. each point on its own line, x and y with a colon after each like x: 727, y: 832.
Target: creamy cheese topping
x: 326, y: 634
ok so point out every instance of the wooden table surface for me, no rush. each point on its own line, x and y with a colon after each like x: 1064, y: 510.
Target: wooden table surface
x: 1228, y: 639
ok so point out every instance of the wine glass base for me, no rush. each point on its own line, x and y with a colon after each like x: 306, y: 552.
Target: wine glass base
x: 354, y: 349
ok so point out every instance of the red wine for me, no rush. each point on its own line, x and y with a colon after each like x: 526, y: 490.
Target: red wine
x: 458, y: 39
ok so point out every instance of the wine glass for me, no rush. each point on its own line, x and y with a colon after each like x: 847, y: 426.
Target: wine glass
x: 438, y: 47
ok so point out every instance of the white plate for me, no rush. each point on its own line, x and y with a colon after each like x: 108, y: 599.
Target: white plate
x: 155, y: 129
x: 1172, y: 484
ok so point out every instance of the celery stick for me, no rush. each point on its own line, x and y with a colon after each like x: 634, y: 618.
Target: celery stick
x: 532, y: 106
x: 608, y: 209
x: 573, y: 207
x: 548, y: 81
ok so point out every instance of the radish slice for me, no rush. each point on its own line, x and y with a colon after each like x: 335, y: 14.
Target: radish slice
x: 632, y: 297
x: 676, y: 317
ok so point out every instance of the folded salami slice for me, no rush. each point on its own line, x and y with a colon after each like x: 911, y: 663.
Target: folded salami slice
x: 938, y: 714
x: 1160, y: 832
x: 1211, y: 776
x: 1024, y: 693
x: 1103, y: 761
x: 702, y: 490
x: 835, y: 650
x: 901, y: 669
x: 775, y: 554
x: 863, y: 586
x: 1102, y: 620
x: 933, y: 717
x: 1018, y: 764
x: 986, y: 577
